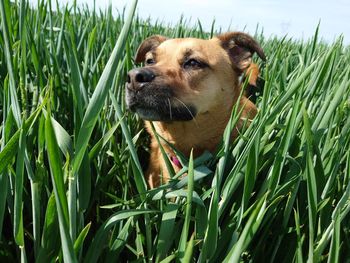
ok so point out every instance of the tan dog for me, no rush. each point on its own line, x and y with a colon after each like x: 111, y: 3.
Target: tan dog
x: 188, y: 88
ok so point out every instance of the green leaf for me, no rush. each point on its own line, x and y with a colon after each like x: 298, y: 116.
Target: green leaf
x: 103, y: 141
x: 99, y: 240
x: 121, y: 241
x: 166, y: 230
x: 55, y: 162
x: 81, y: 237
x: 211, y: 234
x: 9, y: 151
x: 64, y: 141
x: 311, y: 185
x: 138, y: 174
x: 186, y: 226
x: 3, y: 196
x: 189, y: 250
x: 50, y: 236
x: 334, y: 251
x: 248, y: 232
x: 6, y: 26
x: 178, y: 193
x: 18, y: 205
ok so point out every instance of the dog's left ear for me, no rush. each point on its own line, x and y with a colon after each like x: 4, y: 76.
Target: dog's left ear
x: 240, y: 47
x: 147, y: 45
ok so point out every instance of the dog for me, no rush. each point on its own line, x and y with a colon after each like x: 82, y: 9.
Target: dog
x: 187, y: 88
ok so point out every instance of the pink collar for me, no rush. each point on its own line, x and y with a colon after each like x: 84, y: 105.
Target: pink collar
x: 175, y: 161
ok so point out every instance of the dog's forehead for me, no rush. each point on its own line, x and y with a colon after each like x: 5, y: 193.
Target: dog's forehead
x: 184, y: 46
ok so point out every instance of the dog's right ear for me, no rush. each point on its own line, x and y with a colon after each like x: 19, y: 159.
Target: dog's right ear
x: 147, y: 45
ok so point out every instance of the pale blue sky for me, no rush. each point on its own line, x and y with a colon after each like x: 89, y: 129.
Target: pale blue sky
x: 296, y: 18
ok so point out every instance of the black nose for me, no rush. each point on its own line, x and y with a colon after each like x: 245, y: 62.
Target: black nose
x: 141, y: 75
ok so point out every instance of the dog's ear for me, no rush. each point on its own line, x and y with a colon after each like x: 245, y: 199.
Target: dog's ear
x: 147, y: 45
x: 240, y: 47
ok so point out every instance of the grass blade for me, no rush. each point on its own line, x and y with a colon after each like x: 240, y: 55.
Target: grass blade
x: 81, y: 237
x: 311, y: 186
x: 250, y: 228
x: 59, y: 191
x: 18, y: 205
x: 166, y: 231
x: 185, y: 229
x: 335, y: 244
x: 8, y: 54
x: 139, y: 178
x: 97, y: 244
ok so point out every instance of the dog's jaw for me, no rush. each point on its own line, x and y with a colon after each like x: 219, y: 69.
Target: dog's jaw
x: 158, y: 103
x: 148, y: 114
x: 171, y: 115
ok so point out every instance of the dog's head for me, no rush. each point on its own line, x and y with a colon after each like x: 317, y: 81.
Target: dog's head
x: 186, y: 77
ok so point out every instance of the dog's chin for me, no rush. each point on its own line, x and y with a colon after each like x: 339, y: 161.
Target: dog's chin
x: 175, y: 114
x: 149, y: 114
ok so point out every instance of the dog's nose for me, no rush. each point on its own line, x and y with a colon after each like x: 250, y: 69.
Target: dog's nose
x: 141, y: 75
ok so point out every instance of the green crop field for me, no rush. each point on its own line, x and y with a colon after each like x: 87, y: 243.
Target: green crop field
x: 72, y: 157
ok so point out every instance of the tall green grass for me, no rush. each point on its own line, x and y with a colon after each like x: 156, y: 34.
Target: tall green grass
x: 71, y: 181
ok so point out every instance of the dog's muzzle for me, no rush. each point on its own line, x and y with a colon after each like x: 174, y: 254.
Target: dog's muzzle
x: 153, y: 99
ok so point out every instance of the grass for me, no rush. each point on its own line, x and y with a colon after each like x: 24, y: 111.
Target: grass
x: 71, y: 181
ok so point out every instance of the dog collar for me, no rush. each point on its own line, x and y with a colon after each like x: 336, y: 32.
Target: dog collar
x: 175, y: 161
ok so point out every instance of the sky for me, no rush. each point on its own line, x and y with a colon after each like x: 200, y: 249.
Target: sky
x: 294, y: 18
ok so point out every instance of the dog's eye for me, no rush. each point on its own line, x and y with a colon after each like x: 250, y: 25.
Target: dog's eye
x: 193, y: 63
x: 150, y: 61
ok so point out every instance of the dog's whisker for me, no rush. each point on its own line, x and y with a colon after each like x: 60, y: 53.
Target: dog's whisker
x: 189, y: 111
x: 171, y: 114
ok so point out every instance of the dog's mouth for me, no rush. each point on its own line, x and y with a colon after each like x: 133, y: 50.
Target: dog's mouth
x: 158, y: 103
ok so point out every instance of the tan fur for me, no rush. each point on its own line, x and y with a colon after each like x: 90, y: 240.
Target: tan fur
x: 252, y: 73
x: 213, y: 91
